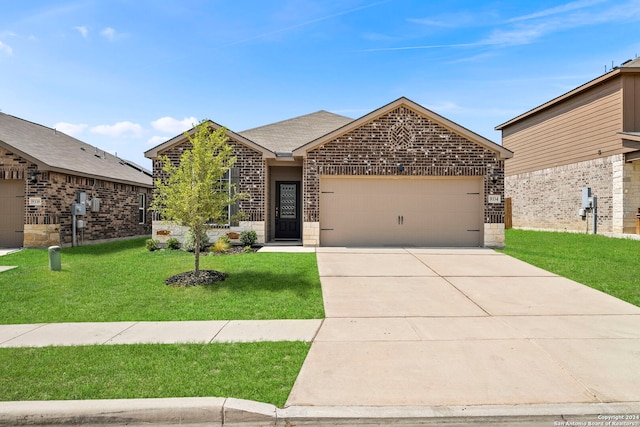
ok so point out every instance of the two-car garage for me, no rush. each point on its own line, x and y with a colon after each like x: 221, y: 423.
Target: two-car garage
x: 401, y: 211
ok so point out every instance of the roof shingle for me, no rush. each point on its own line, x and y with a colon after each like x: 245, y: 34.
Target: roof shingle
x: 287, y: 135
x: 54, y: 150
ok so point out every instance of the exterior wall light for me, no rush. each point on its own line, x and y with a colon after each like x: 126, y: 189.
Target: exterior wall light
x: 495, y: 175
x: 33, y: 177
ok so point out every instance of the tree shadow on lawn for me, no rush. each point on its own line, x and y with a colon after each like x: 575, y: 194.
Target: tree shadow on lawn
x: 101, y: 249
x: 242, y: 282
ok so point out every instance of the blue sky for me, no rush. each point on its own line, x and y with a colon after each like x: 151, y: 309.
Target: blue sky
x: 126, y: 75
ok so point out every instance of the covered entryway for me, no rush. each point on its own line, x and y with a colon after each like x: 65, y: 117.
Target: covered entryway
x: 285, y: 203
x: 401, y: 211
x: 287, y: 210
x: 11, y: 213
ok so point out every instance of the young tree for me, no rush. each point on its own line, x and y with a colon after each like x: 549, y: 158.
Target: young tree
x: 194, y: 193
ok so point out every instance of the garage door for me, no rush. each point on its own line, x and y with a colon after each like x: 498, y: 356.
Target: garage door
x: 401, y: 212
x: 11, y: 213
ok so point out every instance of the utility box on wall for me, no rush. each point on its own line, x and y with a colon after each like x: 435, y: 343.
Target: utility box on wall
x: 587, y: 201
x: 78, y: 209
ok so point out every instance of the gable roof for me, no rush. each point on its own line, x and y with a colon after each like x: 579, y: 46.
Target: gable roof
x: 55, y: 151
x: 287, y: 135
x: 630, y: 66
x: 404, y: 102
x: 154, y: 152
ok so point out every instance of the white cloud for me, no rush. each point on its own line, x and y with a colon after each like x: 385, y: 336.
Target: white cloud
x: 6, y: 49
x: 518, y: 36
x: 574, y: 5
x: 125, y: 129
x: 174, y: 126
x: 83, y: 30
x: 527, y: 29
x: 111, y: 34
x: 445, y: 106
x: 70, y: 128
x: 157, y: 140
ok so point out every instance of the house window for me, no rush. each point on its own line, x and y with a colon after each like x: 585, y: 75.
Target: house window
x: 224, y: 184
x: 141, y: 208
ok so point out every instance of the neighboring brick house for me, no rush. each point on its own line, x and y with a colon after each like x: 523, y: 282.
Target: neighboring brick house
x: 401, y: 175
x: 42, y: 173
x: 588, y: 137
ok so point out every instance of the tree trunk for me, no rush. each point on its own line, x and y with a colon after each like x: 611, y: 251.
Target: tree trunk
x: 196, y: 252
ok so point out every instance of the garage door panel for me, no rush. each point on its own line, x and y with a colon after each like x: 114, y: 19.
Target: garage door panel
x: 401, y: 212
x: 11, y: 213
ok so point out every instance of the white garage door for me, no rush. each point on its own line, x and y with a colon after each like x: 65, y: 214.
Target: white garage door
x: 401, y: 211
x: 11, y: 213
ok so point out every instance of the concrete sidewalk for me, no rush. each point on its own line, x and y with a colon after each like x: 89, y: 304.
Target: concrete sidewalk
x: 208, y: 331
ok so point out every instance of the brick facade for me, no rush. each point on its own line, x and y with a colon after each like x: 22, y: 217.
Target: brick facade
x: 117, y: 218
x: 250, y: 170
x: 398, y: 136
x: 626, y: 189
x: 250, y: 167
x: 549, y: 199
x: 402, y: 137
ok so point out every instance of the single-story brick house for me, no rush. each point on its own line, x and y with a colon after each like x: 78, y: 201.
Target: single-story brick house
x: 400, y: 175
x: 587, y: 137
x: 43, y: 172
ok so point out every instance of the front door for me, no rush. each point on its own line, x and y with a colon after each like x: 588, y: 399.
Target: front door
x: 287, y: 210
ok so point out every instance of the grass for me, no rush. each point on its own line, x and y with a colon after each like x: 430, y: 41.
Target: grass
x: 263, y: 372
x: 122, y: 281
x: 609, y: 265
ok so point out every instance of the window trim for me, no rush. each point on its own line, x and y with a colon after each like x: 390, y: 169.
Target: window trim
x: 142, y: 204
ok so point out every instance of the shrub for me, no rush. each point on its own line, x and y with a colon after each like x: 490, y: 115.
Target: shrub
x: 225, y: 238
x: 189, y: 243
x: 247, y: 249
x: 152, y: 245
x: 248, y: 238
x: 173, y: 243
x: 221, y: 245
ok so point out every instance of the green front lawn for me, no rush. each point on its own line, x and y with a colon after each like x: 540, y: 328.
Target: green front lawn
x: 264, y: 372
x: 606, y: 264
x: 122, y: 281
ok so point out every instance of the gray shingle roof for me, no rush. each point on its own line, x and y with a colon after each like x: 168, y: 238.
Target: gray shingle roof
x: 287, y: 135
x: 54, y: 150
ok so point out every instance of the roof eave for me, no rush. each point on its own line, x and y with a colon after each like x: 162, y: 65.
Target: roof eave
x: 100, y: 177
x: 403, y: 101
x: 153, y: 153
x: 24, y: 155
x: 569, y: 94
x: 630, y: 136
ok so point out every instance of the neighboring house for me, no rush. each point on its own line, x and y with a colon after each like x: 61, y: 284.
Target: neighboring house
x: 400, y: 175
x: 588, y: 137
x: 42, y: 174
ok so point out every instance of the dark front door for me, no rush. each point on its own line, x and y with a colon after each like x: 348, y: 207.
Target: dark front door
x: 287, y: 210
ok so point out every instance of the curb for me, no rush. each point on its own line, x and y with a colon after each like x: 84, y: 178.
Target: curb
x: 215, y: 411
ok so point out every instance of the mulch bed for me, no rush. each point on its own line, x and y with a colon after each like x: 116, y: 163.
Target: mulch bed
x: 206, y: 277
x: 189, y: 278
x: 235, y: 250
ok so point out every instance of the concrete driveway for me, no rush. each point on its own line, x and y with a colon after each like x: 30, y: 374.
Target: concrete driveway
x: 450, y: 327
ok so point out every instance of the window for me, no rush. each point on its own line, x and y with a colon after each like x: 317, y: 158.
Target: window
x: 141, y: 208
x: 224, y: 184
